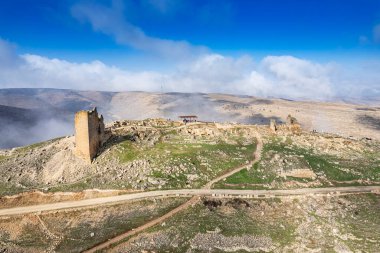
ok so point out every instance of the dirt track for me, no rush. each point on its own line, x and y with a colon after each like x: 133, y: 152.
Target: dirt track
x: 193, y: 200
x: 195, y: 193
x: 256, y: 155
x: 185, y: 193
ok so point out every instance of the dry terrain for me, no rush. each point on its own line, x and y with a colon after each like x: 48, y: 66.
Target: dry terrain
x: 50, y: 111
x: 304, y: 224
x: 263, y: 197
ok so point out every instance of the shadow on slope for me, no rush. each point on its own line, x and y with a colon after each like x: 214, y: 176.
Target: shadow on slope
x: 369, y: 121
x: 19, y: 127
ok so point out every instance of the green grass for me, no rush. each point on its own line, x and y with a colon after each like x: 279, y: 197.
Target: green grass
x: 9, y: 189
x: 76, y: 226
x: 36, y: 145
x: 32, y: 238
x: 33, y: 146
x: 79, y: 238
x: 332, y: 166
x: 207, y: 160
x: 336, y: 171
x: 130, y: 151
x: 74, y: 187
x: 252, y: 176
x: 362, y: 221
x: 235, y: 222
x: 95, y: 181
x: 355, y: 215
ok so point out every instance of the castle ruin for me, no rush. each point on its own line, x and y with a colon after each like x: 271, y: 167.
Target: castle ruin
x: 291, y: 125
x: 291, y: 120
x: 273, y: 125
x: 89, y: 134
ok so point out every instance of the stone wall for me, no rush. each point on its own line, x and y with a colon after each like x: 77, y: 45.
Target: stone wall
x: 291, y: 125
x: 273, y: 125
x: 89, y: 134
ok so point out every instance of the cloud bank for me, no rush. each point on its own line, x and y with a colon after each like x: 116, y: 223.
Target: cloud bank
x: 273, y: 76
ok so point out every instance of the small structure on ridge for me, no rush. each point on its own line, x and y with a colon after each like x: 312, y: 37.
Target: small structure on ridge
x: 188, y: 118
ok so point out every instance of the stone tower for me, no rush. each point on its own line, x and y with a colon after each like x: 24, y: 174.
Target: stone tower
x: 89, y: 134
x: 273, y: 125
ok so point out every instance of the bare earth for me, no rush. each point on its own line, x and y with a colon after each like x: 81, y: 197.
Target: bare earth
x: 57, y: 108
x: 185, y: 193
x: 344, y: 119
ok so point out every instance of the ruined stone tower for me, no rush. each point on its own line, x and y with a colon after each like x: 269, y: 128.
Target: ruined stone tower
x: 273, y: 125
x: 292, y: 124
x: 89, y: 134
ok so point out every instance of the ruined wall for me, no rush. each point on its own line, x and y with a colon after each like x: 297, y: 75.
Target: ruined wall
x: 89, y: 134
x: 273, y: 125
x: 291, y: 125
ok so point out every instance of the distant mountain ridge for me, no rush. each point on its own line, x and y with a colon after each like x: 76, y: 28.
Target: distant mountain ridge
x: 25, y: 112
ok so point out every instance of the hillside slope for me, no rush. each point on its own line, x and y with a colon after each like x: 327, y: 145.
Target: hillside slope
x: 60, y: 105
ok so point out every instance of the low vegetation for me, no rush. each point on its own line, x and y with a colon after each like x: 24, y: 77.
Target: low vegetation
x: 286, y: 164
x: 323, y: 224
x: 75, y: 231
x: 189, y: 164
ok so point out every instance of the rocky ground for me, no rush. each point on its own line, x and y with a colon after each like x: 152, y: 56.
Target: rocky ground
x: 309, y: 159
x: 303, y: 224
x: 48, y: 113
x: 76, y: 230
x: 345, y: 223
x: 163, y: 154
x: 149, y: 154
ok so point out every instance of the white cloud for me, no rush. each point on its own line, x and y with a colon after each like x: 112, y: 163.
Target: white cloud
x: 110, y: 21
x: 93, y: 75
x: 296, y: 77
x: 273, y: 76
x: 281, y: 76
x: 163, y: 6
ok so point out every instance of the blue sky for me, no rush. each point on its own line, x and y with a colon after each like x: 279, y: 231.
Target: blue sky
x: 168, y: 39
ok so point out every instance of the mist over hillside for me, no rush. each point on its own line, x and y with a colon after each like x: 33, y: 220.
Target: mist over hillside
x: 32, y: 115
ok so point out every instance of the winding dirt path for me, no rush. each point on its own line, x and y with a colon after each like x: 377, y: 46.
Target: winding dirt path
x: 195, y: 193
x: 256, y: 156
x: 137, y: 230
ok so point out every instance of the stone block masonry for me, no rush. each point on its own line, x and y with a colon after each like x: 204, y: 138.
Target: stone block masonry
x: 89, y: 134
x: 273, y: 125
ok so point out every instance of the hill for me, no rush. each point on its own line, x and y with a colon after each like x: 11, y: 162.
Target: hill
x: 59, y: 107
x: 154, y: 155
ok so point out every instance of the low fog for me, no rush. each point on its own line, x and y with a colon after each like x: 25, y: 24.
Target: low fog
x: 32, y: 115
x: 14, y: 135
x: 20, y: 126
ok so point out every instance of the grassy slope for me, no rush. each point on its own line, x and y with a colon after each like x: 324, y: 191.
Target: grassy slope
x: 202, y: 158
x: 207, y: 160
x: 283, y: 222
x: 330, y: 169
x: 82, y: 229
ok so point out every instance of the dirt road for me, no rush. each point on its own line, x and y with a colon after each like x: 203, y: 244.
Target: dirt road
x: 195, y: 193
x: 184, y: 193
x: 193, y: 200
